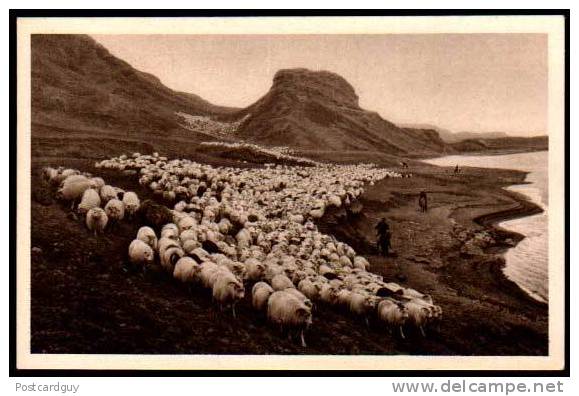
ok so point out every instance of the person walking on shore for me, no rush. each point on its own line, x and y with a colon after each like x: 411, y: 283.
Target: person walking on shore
x: 423, y: 201
x: 384, y: 237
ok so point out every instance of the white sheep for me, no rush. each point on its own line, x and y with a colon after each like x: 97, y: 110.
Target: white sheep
x: 255, y: 269
x: 72, y: 190
x: 169, y: 258
x: 260, y: 294
x: 309, y: 289
x: 272, y: 269
x: 236, y: 268
x: 344, y: 297
x: 170, y: 231
x: 300, y: 296
x: 131, y: 202
x: 73, y: 178
x: 90, y: 199
x: 411, y: 294
x: 227, y: 289
x: 224, y: 226
x: 147, y: 235
x: 186, y: 270
x: 243, y: 238
x: 51, y: 175
x: 287, y: 311
x: 361, y: 263
x: 393, y: 314
x: 188, y: 235
x: 345, y: 261
x: 208, y: 272
x: 329, y: 294
x: 141, y: 253
x: 281, y: 282
x: 335, y: 201
x: 96, y: 220
x: 187, y: 223
x: 107, y: 193
x: 164, y: 243
x: 98, y: 182
x: 190, y: 245
x: 362, y: 305
x: 435, y: 311
x: 180, y: 206
x: 115, y: 210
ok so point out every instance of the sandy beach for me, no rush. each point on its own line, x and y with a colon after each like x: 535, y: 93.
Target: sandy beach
x: 84, y: 300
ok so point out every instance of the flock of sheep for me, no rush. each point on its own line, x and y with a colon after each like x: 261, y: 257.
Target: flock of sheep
x: 101, y: 204
x: 234, y: 229
x: 280, y: 153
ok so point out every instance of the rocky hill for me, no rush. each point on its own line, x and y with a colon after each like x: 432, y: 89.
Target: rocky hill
x: 318, y: 109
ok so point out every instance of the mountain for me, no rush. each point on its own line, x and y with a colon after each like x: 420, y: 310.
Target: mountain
x: 80, y: 90
x: 455, y: 137
x: 87, y: 103
x: 319, y: 110
x: 535, y: 143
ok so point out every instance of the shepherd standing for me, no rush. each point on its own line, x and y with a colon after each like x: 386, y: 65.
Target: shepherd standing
x: 384, y: 236
x: 423, y: 201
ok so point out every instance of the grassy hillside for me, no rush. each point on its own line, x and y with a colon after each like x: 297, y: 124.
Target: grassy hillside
x: 80, y: 91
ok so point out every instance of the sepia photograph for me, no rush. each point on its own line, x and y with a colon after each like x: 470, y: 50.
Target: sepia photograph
x: 317, y: 193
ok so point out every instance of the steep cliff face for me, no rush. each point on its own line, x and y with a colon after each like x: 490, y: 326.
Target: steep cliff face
x: 319, y: 110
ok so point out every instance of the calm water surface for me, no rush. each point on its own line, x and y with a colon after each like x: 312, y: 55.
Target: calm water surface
x: 527, y: 263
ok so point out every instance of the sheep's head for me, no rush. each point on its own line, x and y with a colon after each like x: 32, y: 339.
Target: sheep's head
x: 370, y: 303
x: 148, y: 255
x: 96, y: 214
x: 304, y: 315
x: 237, y: 289
x: 403, y: 311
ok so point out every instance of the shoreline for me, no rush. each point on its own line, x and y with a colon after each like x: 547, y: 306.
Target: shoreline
x: 523, y: 206
x: 476, y: 275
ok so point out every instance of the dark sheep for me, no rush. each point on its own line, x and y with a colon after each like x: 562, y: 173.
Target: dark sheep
x: 155, y: 215
x: 210, y: 246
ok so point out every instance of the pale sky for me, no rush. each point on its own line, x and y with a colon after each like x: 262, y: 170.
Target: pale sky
x: 470, y: 82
